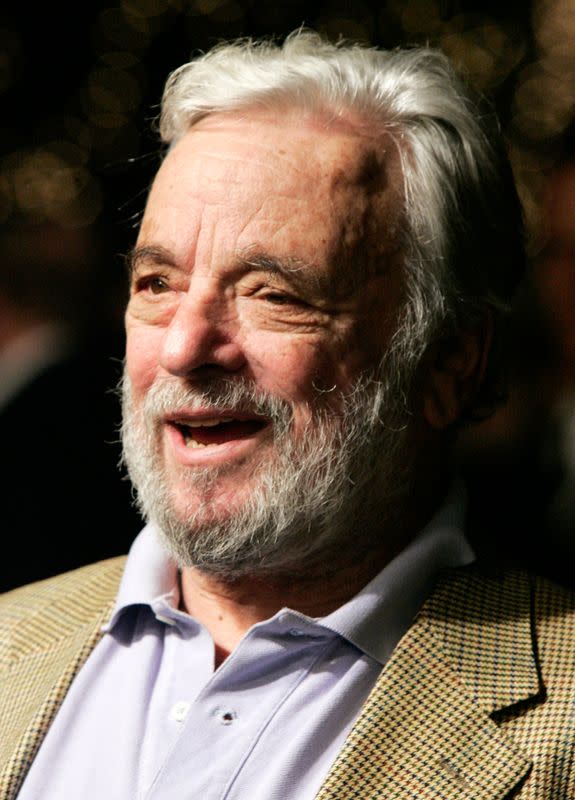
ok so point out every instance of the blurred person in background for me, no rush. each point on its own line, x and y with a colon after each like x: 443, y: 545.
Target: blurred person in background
x: 58, y: 421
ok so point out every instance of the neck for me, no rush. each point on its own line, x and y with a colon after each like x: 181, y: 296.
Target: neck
x: 228, y: 607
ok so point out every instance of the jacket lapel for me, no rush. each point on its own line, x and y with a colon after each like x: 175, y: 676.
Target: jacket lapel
x: 427, y: 729
x: 47, y: 657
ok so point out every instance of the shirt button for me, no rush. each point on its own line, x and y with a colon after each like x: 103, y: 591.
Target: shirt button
x: 179, y: 711
x: 225, y: 716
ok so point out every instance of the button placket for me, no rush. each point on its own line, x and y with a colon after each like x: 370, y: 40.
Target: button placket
x: 179, y: 711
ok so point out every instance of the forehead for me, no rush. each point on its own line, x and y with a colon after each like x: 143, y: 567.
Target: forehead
x: 309, y: 189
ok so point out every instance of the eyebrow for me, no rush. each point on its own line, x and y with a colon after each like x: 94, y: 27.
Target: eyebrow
x: 154, y: 253
x: 294, y: 270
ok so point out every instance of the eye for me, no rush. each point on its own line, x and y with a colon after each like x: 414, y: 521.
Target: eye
x: 153, y: 284
x: 279, y: 298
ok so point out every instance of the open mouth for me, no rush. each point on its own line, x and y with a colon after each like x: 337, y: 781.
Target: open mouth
x: 205, y: 432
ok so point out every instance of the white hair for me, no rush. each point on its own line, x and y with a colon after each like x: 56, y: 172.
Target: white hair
x: 462, y: 233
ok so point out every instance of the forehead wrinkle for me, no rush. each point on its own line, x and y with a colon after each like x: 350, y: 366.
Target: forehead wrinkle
x: 225, y: 165
x: 220, y: 122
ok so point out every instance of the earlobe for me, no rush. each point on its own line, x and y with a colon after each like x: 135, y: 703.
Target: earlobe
x: 455, y: 369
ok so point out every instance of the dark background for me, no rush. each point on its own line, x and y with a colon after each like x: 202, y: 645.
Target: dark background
x: 79, y: 92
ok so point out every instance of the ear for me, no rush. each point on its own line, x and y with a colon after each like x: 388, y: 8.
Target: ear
x: 455, y: 368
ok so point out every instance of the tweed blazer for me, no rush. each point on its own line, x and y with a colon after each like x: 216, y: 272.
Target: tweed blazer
x: 476, y: 703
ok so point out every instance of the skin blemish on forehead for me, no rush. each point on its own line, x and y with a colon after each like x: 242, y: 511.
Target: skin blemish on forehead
x: 367, y: 192
x: 367, y: 174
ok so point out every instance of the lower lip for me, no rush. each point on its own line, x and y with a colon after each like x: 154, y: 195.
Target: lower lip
x: 212, y: 454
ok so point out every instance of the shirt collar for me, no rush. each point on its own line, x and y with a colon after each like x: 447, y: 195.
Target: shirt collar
x: 376, y: 618
x: 150, y: 576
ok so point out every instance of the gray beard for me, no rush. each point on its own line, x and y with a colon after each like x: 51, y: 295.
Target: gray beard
x: 326, y: 494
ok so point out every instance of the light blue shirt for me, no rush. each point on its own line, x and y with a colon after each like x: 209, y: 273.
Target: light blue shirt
x: 149, y: 717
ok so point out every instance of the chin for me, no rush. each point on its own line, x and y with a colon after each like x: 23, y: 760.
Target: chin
x: 206, y: 507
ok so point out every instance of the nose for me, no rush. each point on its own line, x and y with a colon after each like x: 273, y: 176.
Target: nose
x: 202, y: 334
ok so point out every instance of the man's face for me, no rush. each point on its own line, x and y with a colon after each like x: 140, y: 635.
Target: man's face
x: 266, y: 259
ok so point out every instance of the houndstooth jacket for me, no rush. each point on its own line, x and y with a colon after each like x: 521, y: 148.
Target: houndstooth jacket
x: 476, y: 703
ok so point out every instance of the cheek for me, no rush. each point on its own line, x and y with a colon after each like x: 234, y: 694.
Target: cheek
x: 142, y: 357
x: 302, y: 370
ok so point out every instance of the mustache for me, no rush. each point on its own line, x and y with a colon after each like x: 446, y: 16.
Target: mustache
x: 240, y: 395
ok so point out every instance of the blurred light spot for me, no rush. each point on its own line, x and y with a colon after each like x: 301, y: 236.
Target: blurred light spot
x: 113, y: 28
x: 231, y: 11
x: 67, y: 151
x: 44, y: 180
x: 554, y: 26
x: 472, y: 58
x: 108, y: 120
x: 456, y: 24
x: 120, y: 59
x: 421, y: 16
x: 143, y: 8
x: 117, y: 148
x: 272, y: 15
x: 219, y: 10
x: 395, y: 7
x: 79, y: 132
x: 208, y: 7
x: 345, y: 27
x: 6, y: 198
x: 487, y: 53
x: 84, y: 211
x: 113, y: 90
x: 143, y: 25
x: 529, y: 168
x: 542, y: 105
x: 44, y: 185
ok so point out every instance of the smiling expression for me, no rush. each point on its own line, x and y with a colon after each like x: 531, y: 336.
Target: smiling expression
x: 268, y: 253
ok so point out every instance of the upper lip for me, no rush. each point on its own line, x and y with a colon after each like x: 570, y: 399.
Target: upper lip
x: 212, y: 416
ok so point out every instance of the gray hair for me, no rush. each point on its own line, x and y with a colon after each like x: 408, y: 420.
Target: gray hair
x: 462, y: 234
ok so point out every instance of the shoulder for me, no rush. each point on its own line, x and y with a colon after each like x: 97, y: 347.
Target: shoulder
x: 482, y: 589
x: 552, y: 598
x: 38, y: 614
x: 480, y: 604
x: 553, y: 615
x: 86, y: 582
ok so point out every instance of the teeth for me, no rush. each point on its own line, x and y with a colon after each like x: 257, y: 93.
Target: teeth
x: 207, y: 423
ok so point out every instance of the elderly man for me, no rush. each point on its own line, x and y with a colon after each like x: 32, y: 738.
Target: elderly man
x: 317, y: 291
